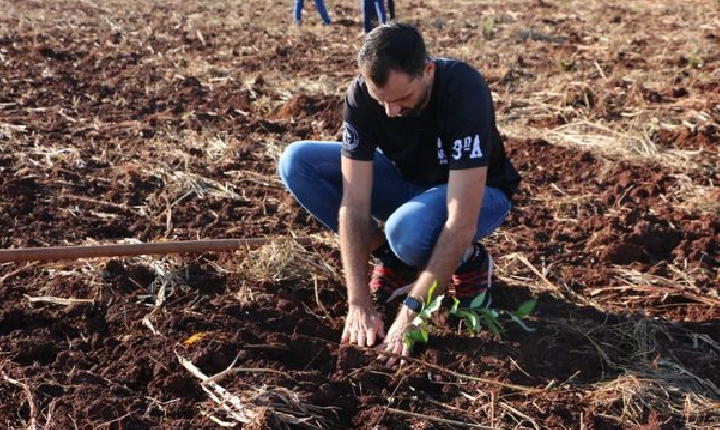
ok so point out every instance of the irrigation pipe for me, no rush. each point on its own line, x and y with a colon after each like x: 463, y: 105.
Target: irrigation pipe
x: 51, y: 253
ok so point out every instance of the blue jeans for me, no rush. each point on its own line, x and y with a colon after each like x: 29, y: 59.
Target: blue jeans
x: 298, y: 7
x: 414, y: 214
x: 370, y: 9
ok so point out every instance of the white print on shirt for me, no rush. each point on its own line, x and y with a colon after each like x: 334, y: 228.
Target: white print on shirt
x: 442, y: 158
x: 464, y: 146
x: 350, y: 137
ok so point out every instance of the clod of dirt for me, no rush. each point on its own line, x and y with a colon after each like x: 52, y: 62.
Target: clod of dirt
x: 21, y: 187
x: 624, y: 253
x: 348, y: 359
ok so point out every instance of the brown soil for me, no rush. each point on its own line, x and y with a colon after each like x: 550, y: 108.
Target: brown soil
x: 112, y: 116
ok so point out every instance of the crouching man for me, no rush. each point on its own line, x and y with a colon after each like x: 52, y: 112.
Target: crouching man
x: 420, y: 151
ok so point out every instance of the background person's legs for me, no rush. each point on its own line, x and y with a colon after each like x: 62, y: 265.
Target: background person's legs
x: 380, y: 11
x: 367, y: 12
x: 323, y: 11
x: 297, y: 11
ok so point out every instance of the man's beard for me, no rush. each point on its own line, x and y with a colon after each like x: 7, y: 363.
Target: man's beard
x: 419, y: 106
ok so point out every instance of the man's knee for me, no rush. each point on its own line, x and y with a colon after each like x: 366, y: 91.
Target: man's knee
x: 406, y: 241
x: 290, y: 160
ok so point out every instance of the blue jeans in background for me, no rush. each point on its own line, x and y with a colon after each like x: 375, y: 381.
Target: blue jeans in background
x: 298, y: 8
x: 414, y: 214
x: 370, y: 9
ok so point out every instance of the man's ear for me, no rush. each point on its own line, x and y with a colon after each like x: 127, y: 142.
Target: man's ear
x: 429, y: 68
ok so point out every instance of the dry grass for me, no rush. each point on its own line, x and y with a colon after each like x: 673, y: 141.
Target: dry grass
x: 286, y: 261
x: 694, y: 198
x: 641, y: 351
x: 648, y: 288
x: 650, y: 378
x: 252, y: 403
x: 615, y: 144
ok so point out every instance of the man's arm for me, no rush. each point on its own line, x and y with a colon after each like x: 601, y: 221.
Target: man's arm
x: 362, y: 324
x: 355, y: 228
x: 464, y: 199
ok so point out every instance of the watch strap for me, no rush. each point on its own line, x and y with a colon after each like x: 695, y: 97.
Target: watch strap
x: 413, y: 304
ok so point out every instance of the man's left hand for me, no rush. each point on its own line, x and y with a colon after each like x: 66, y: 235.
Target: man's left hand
x: 393, y: 343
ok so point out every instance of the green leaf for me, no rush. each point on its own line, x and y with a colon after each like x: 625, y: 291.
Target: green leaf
x: 478, y: 301
x: 493, y: 326
x: 470, y: 317
x: 430, y: 293
x: 476, y: 321
x: 492, y: 322
x: 412, y: 336
x: 455, y: 305
x: 525, y: 309
x: 522, y: 324
x: 434, y: 305
x: 409, y: 343
x: 416, y: 335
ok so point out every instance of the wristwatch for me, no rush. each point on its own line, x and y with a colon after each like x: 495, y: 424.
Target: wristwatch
x: 413, y: 304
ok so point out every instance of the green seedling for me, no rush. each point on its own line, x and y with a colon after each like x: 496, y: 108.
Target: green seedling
x: 694, y: 60
x: 477, y: 315
x: 420, y: 332
x: 487, y: 29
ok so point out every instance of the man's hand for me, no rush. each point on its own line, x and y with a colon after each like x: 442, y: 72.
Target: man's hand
x: 394, y: 340
x: 363, y: 325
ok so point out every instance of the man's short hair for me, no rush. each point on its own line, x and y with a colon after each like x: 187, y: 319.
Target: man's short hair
x: 392, y: 46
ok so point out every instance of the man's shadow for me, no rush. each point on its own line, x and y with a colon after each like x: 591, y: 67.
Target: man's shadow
x: 581, y: 347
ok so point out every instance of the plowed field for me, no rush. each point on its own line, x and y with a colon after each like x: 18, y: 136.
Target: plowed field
x: 150, y: 121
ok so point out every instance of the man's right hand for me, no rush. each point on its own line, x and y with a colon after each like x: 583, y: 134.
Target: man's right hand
x: 363, y: 325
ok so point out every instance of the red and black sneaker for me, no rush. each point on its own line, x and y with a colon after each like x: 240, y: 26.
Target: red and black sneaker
x: 474, y: 277
x: 390, y: 275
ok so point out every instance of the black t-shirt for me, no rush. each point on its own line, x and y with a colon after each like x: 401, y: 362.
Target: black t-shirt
x: 456, y: 130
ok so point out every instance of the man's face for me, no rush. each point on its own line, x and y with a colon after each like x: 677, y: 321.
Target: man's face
x: 404, y: 95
